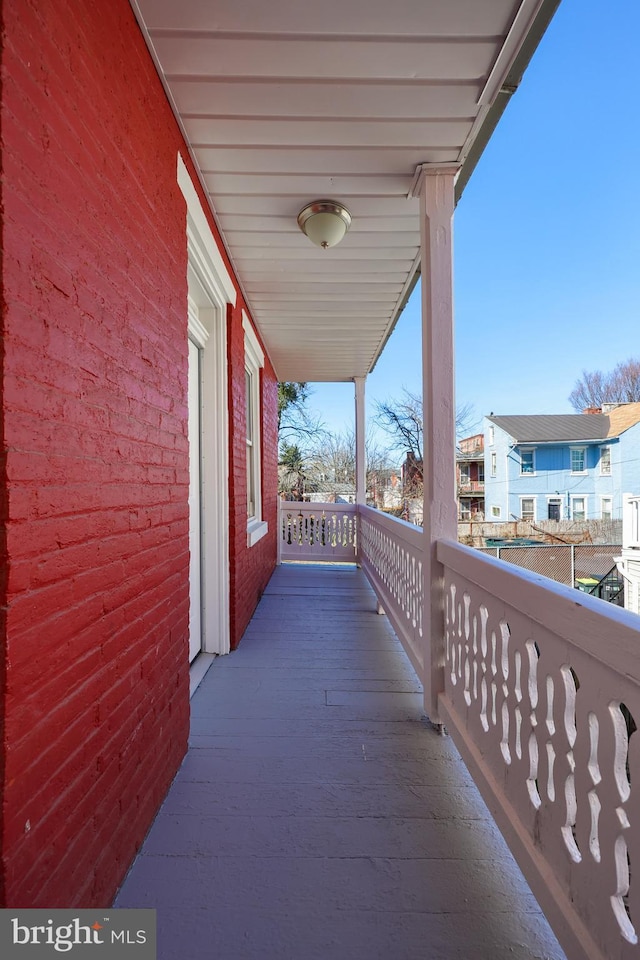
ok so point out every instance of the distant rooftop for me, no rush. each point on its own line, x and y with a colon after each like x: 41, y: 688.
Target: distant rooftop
x: 563, y: 428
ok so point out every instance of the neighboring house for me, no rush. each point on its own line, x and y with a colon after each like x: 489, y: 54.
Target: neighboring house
x: 629, y: 563
x: 470, y: 477
x: 561, y: 467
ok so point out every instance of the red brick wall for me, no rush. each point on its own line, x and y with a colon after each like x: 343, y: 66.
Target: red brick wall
x: 95, y: 429
x: 251, y: 567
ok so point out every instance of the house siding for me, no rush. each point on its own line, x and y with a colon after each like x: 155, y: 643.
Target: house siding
x: 95, y: 468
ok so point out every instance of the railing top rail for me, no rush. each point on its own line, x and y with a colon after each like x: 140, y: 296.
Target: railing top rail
x: 296, y: 506
x: 401, y: 529
x: 580, y: 619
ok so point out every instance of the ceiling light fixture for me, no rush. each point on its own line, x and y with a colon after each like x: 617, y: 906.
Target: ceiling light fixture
x: 325, y: 222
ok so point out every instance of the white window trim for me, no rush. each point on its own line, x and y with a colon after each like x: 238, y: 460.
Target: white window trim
x: 608, y: 500
x: 532, y: 451
x: 578, y: 473
x: 605, y: 473
x: 533, y: 501
x: 585, y: 500
x: 496, y: 511
x: 257, y: 528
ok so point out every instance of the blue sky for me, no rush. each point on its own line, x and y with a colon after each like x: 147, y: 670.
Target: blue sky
x: 547, y: 233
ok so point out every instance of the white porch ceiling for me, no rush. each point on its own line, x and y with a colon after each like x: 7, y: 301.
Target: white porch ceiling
x: 285, y: 102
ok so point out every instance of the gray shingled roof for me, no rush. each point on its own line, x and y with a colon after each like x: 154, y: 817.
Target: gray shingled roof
x: 558, y: 428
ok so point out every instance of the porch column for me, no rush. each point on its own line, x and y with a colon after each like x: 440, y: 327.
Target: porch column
x: 436, y: 192
x: 361, y: 476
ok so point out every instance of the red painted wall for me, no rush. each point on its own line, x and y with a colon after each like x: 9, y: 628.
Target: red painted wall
x: 95, y: 483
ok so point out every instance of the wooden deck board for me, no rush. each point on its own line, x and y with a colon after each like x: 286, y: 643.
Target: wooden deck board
x: 317, y: 815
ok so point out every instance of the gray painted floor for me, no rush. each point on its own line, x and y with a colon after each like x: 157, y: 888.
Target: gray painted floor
x: 317, y: 815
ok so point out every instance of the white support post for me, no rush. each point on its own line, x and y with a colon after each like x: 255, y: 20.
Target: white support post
x: 361, y: 475
x: 436, y: 188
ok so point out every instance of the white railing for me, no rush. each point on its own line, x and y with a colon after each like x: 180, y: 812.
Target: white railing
x: 542, y: 695
x: 390, y: 552
x: 542, y: 698
x: 321, y: 532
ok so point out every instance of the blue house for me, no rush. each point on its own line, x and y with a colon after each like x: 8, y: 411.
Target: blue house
x: 562, y: 467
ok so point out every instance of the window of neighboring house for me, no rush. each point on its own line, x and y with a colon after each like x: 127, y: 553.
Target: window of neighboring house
x: 496, y: 511
x: 465, y: 510
x: 605, y: 461
x: 578, y: 508
x: 606, y: 508
x: 527, y: 460
x: 481, y: 472
x: 464, y: 475
x: 528, y: 508
x: 578, y: 459
x: 253, y: 363
x: 494, y: 464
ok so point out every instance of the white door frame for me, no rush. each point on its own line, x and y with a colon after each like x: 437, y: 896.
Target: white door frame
x: 207, y: 329
x: 210, y: 290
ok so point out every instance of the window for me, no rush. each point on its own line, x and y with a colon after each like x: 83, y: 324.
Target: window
x: 496, y: 511
x: 465, y: 477
x: 527, y: 461
x: 578, y: 508
x: 481, y: 472
x: 605, y: 461
x: 492, y: 436
x: 606, y: 508
x: 578, y: 459
x: 528, y: 508
x: 494, y: 464
x: 253, y: 362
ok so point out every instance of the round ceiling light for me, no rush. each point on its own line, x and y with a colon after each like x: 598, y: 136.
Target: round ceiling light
x: 325, y: 222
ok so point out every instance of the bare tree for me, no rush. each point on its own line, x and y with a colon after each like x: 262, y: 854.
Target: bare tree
x: 402, y: 419
x: 620, y: 385
x: 296, y: 425
x: 333, y: 461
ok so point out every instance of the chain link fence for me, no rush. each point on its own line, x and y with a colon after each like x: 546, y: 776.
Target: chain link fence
x: 589, y: 567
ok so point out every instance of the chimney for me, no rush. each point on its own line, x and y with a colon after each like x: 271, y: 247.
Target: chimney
x: 592, y: 410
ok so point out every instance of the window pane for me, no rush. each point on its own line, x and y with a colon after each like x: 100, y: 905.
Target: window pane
x: 577, y: 461
x: 527, y: 510
x: 605, y: 460
x: 526, y: 461
x: 578, y: 508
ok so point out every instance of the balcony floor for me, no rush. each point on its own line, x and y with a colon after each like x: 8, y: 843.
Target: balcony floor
x: 317, y: 815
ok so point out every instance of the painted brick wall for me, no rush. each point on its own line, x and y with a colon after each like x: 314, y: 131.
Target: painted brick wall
x: 251, y: 567
x: 95, y: 431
